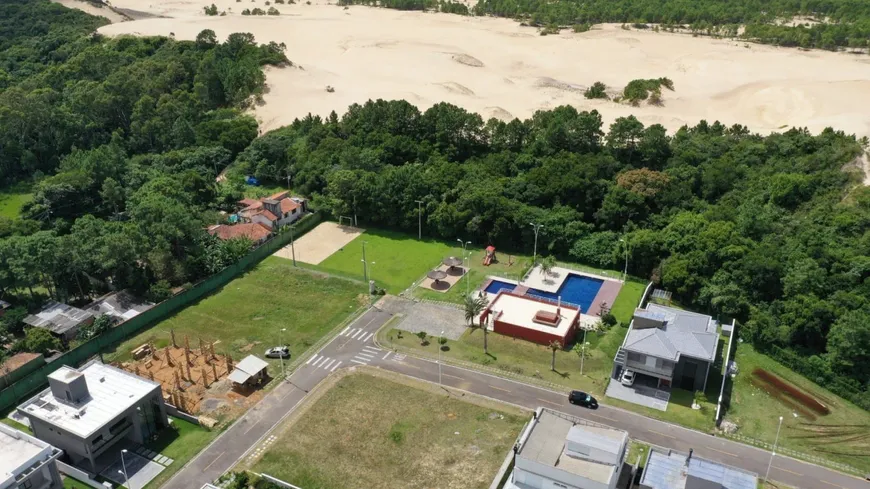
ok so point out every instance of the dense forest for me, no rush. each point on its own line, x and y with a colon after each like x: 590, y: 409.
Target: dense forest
x: 831, y: 24
x: 769, y: 230
x: 122, y: 140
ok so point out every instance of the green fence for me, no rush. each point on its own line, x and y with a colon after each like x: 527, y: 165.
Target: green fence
x: 29, y: 384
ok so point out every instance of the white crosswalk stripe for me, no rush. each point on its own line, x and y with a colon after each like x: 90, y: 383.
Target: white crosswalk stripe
x: 335, y: 366
x: 324, y: 362
x: 367, y: 337
x: 398, y: 357
x: 357, y: 334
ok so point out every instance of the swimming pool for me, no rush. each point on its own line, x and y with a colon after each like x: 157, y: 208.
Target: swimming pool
x: 578, y: 290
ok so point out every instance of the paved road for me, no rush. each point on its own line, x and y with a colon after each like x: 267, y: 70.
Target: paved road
x: 354, y: 346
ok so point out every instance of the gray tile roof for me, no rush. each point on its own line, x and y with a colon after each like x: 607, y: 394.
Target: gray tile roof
x: 58, y: 318
x: 684, y: 333
x: 667, y: 470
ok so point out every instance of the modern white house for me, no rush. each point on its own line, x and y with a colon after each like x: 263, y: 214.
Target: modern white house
x: 27, y: 462
x: 560, y: 451
x: 86, y: 411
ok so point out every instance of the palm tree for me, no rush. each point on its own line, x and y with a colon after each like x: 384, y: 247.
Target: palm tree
x: 547, y: 265
x: 474, y: 306
x: 554, y: 346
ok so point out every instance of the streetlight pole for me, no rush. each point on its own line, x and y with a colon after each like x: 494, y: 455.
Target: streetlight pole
x: 281, y: 354
x: 536, y: 227
x: 292, y: 245
x: 464, y: 249
x: 365, y: 268
x: 439, y: 357
x: 419, y: 220
x: 773, y: 453
x: 625, y: 270
x: 124, y: 465
x: 583, y: 353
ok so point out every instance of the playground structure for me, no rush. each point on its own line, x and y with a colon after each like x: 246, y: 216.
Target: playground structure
x: 490, y: 257
x: 184, y: 373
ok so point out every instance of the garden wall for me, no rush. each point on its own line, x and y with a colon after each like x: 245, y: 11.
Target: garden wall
x: 33, y: 382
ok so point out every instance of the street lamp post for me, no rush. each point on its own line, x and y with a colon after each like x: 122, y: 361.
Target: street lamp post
x: 419, y: 219
x: 773, y: 453
x: 124, y: 465
x: 583, y: 352
x: 365, y: 268
x: 292, y: 245
x: 439, y: 357
x: 281, y: 353
x: 464, y: 245
x: 625, y: 270
x: 536, y: 227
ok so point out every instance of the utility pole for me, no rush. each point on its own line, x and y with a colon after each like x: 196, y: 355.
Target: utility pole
x: 536, y: 227
x: 419, y: 220
x: 288, y: 181
x: 625, y: 270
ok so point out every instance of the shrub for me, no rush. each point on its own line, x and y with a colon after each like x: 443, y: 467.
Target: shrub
x: 597, y: 90
x: 258, y: 11
x: 578, y: 28
x: 608, y: 319
x: 273, y: 11
x: 211, y: 10
x: 247, y: 11
x: 159, y: 292
x: 422, y: 335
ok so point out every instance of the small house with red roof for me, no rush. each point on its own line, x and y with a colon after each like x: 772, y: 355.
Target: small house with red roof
x: 273, y: 211
x: 256, y: 232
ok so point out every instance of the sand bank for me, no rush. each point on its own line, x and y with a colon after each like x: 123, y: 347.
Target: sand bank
x: 499, y: 69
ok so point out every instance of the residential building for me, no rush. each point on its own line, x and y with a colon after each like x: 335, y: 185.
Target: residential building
x: 531, y: 318
x: 557, y: 450
x: 121, y: 305
x: 87, y: 411
x: 274, y: 211
x: 27, y: 462
x: 61, y: 320
x: 676, y: 348
x: 256, y: 232
x: 669, y: 469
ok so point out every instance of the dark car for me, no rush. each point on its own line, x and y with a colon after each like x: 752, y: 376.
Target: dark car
x: 581, y: 398
x: 278, y: 352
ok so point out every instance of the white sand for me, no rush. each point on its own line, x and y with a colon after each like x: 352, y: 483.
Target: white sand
x: 92, y: 9
x: 498, y: 68
x: 320, y: 243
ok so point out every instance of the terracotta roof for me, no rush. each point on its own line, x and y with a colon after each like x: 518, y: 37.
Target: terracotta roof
x: 268, y: 215
x: 253, y: 231
x: 15, y: 362
x: 289, y: 204
x: 249, y: 202
x: 280, y: 195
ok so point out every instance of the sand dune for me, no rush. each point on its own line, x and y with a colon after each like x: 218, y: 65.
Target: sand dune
x: 500, y: 69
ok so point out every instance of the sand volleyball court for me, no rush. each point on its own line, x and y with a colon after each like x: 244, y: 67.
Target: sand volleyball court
x: 321, y: 242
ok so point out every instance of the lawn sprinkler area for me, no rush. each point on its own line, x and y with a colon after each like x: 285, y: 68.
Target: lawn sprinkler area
x: 247, y: 315
x: 375, y: 429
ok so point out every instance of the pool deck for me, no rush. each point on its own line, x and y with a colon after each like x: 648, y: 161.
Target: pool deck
x: 536, y: 280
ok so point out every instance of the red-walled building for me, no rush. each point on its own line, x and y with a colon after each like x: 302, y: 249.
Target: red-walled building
x: 532, y: 319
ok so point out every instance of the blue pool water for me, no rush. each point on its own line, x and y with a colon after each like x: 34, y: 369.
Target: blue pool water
x: 578, y: 290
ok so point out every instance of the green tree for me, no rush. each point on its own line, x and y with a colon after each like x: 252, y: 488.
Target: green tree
x: 849, y: 344
x: 101, y: 324
x: 554, y: 346
x: 598, y: 90
x: 38, y: 340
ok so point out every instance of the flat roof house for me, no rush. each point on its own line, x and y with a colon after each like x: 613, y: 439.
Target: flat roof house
x: 560, y: 450
x: 669, y: 469
x: 673, y: 346
x: 121, y: 305
x: 87, y: 411
x: 531, y: 318
x: 27, y: 462
x: 62, y: 320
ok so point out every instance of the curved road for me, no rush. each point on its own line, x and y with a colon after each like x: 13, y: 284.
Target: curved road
x: 354, y: 346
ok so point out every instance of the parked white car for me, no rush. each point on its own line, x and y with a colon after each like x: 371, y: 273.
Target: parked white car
x: 627, y: 378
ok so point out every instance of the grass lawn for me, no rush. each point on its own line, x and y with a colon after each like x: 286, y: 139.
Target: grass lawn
x: 391, y: 432
x: 13, y: 198
x: 247, y: 314
x: 508, y: 266
x: 842, y: 436
x: 181, y: 445
x: 70, y: 483
x: 15, y: 424
x: 395, y: 260
x: 637, y: 452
